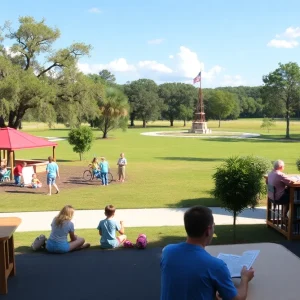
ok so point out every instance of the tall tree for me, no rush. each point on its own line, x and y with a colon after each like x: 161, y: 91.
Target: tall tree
x: 114, y: 110
x: 107, y: 76
x: 144, y: 100
x: 281, y: 91
x: 35, y: 81
x: 179, y: 99
x: 221, y: 104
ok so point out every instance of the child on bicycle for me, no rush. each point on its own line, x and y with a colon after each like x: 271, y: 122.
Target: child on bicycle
x: 95, y: 167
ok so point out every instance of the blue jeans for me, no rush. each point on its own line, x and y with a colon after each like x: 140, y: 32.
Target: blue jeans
x: 17, y: 180
x: 104, y: 178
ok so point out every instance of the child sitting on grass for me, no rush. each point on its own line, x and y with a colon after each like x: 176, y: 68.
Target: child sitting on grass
x: 107, y: 230
x: 35, y: 183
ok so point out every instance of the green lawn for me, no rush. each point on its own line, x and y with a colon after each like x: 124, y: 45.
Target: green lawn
x: 162, y: 171
x: 161, y: 236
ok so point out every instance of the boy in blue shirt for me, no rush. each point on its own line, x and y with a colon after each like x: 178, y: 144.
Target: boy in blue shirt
x: 188, y: 271
x: 107, y: 230
x: 104, y: 170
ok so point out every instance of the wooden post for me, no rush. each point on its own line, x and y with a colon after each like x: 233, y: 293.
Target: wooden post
x: 53, y: 153
x: 11, y: 158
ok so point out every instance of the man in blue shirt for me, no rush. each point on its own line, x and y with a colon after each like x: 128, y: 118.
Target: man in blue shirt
x: 189, y: 272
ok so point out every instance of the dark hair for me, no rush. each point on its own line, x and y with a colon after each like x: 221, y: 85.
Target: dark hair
x: 196, y: 221
x: 109, y: 210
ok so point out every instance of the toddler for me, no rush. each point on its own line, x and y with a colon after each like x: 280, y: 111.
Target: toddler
x: 35, y: 183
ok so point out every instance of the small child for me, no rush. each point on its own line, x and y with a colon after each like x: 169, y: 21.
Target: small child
x: 122, y: 162
x: 95, y: 166
x: 3, y: 170
x: 104, y: 170
x: 35, y: 183
x: 107, y: 230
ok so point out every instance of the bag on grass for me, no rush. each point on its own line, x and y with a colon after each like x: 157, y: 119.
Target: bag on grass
x: 128, y: 244
x: 39, y: 243
x: 141, y: 242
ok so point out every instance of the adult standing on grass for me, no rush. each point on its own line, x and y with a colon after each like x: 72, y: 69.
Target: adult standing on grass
x: 104, y: 170
x: 122, y: 162
x: 61, y: 227
x: 189, y: 272
x: 52, y: 172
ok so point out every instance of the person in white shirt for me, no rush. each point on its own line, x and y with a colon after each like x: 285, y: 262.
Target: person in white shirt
x: 122, y: 162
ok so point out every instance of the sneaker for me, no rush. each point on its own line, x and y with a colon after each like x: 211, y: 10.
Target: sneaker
x: 48, y: 194
x: 57, y: 192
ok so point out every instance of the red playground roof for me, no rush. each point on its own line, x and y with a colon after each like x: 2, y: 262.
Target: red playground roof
x: 12, y: 139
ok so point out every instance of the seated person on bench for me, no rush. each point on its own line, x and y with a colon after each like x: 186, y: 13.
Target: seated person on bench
x: 279, y: 181
x: 3, y: 170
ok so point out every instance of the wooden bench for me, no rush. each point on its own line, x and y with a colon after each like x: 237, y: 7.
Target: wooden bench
x: 7, y: 252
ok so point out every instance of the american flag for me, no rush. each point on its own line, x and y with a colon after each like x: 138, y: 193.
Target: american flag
x: 197, y: 78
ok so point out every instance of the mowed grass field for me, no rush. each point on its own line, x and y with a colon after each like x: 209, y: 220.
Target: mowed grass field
x: 162, y: 171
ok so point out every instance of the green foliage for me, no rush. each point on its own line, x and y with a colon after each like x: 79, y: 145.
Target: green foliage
x: 221, y: 104
x: 81, y: 138
x: 281, y: 92
x: 239, y: 183
x: 144, y: 101
x: 179, y: 101
x: 298, y: 164
x: 114, y: 110
x: 29, y: 83
x: 267, y: 123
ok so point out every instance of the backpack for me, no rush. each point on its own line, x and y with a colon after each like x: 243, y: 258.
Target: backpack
x: 141, y: 241
x: 39, y: 243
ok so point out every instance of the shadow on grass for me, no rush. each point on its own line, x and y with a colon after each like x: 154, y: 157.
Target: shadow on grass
x: 200, y: 159
x: 223, y: 236
x: 210, y: 202
x: 24, y: 192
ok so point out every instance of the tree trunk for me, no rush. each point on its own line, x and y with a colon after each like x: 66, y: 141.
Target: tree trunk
x: 80, y: 156
x: 234, y: 227
x: 287, y: 135
x: 144, y: 123
x: 171, y: 122
x: 184, y: 123
x: 104, y: 136
x: 219, y: 122
x: 2, y: 122
x: 132, y: 117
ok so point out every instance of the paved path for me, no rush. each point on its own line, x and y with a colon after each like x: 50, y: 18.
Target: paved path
x: 40, y: 221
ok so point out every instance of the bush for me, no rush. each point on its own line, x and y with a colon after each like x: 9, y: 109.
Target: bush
x: 81, y: 138
x: 239, y: 183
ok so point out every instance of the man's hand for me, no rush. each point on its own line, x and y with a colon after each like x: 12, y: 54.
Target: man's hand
x: 121, y: 222
x: 247, y: 274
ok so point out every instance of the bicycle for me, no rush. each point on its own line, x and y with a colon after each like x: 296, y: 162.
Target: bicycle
x: 88, y: 175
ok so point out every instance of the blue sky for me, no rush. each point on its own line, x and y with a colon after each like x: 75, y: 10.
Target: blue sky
x: 233, y: 42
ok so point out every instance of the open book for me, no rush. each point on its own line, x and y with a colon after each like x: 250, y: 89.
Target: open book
x: 235, y: 263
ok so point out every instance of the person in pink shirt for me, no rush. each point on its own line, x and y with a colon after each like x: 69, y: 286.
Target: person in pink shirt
x: 280, y: 181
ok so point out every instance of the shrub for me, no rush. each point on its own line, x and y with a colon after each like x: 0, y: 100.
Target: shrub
x: 81, y: 138
x: 239, y: 183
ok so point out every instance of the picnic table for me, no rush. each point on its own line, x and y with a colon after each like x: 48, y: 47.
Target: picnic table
x: 7, y: 252
x: 277, y: 270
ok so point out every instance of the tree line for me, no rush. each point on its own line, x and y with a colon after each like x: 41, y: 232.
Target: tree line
x: 39, y: 83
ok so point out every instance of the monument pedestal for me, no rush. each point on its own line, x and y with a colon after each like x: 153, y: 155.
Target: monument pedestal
x: 200, y: 127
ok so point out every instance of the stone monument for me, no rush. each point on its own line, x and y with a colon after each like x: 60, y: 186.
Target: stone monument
x: 199, y: 125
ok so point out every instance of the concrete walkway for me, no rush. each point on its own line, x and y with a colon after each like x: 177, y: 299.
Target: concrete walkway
x: 84, y: 219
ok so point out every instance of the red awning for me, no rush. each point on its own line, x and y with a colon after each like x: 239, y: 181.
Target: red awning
x: 12, y: 139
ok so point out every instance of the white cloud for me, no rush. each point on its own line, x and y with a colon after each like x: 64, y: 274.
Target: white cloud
x: 155, y: 41
x: 94, y: 10
x: 117, y: 65
x: 287, y: 40
x: 11, y: 53
x: 236, y: 80
x: 292, y: 32
x: 188, y: 63
x: 283, y: 43
x: 154, y: 66
x: 171, y: 56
